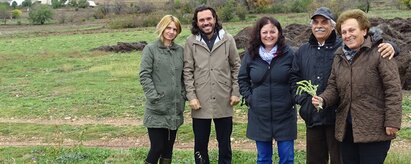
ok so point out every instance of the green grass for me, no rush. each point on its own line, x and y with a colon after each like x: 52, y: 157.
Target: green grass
x: 135, y: 155
x: 101, y: 155
x: 70, y: 84
x: 406, y: 104
x: 76, y: 133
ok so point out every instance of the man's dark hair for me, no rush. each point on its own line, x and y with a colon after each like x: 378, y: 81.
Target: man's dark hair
x: 255, y: 38
x: 195, y: 29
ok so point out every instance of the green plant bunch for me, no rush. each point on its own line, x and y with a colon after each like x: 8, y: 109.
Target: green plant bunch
x: 307, y: 86
x: 40, y: 14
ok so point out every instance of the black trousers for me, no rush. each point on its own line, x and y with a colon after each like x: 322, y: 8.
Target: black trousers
x: 161, y: 144
x: 202, y: 128
x: 363, y: 153
x: 322, y: 145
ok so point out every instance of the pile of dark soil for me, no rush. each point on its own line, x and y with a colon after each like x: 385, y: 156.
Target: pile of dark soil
x: 122, y: 47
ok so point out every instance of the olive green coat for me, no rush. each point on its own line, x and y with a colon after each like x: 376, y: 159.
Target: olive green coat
x: 161, y: 72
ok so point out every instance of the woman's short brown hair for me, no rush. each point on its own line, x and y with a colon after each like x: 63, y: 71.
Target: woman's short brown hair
x: 354, y: 14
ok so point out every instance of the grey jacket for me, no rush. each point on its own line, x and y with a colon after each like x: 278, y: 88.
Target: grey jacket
x: 161, y: 71
x: 211, y: 75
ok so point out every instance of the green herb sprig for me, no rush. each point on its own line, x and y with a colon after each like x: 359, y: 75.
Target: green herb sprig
x: 307, y: 86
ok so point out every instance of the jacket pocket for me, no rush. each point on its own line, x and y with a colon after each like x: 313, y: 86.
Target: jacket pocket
x: 225, y: 85
x: 200, y: 81
x: 158, y: 105
x: 248, y: 100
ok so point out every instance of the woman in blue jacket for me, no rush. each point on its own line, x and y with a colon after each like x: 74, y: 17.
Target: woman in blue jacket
x: 264, y: 83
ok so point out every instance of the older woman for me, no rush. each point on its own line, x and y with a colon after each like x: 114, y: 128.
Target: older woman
x: 368, y: 91
x: 264, y: 83
x: 161, y: 72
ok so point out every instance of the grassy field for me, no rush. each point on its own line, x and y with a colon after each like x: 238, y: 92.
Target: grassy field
x: 62, y: 103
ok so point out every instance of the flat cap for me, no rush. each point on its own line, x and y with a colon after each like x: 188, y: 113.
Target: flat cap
x: 325, y: 12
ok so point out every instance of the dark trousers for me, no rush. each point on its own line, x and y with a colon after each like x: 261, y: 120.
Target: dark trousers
x: 363, y: 153
x: 322, y: 145
x: 202, y: 128
x: 161, y: 144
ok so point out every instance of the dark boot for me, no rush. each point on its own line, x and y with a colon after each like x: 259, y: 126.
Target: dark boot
x: 165, y: 161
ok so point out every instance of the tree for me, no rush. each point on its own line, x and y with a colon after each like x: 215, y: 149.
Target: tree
x: 4, y: 12
x: 26, y: 3
x: 82, y: 4
x: 406, y: 3
x: 56, y: 4
x: 40, y: 14
x: 14, y: 4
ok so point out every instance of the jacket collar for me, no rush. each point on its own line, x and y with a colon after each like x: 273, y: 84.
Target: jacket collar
x: 161, y: 45
x: 220, y: 36
x: 368, y: 43
x: 330, y: 40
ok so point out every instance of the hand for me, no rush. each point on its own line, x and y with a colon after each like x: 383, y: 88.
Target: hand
x: 391, y: 131
x: 234, y: 100
x: 386, y: 50
x: 317, y: 101
x: 195, y: 104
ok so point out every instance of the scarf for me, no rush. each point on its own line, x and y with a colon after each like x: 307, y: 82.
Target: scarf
x: 268, y: 56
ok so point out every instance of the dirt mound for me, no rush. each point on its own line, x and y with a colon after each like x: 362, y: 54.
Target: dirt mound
x: 397, y: 30
x: 123, y: 47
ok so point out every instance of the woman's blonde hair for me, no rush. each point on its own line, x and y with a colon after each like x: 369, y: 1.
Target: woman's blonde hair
x: 164, y: 22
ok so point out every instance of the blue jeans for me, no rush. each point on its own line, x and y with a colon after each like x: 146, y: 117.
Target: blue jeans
x: 285, y: 152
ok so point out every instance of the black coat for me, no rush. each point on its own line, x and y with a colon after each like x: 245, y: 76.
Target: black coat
x: 313, y: 62
x: 271, y: 114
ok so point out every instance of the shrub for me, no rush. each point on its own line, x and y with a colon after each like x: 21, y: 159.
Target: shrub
x: 26, y: 3
x: 299, y: 6
x: 82, y: 4
x: 56, y: 4
x: 279, y: 8
x: 73, y: 3
x: 119, y: 7
x: 134, y: 21
x: 241, y: 12
x: 406, y: 3
x: 363, y: 5
x: 40, y: 14
x: 186, y: 8
x: 226, y: 12
x: 145, y: 7
x: 16, y: 13
x: 102, y: 11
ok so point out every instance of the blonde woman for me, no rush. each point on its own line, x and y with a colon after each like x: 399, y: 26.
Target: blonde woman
x: 161, y: 71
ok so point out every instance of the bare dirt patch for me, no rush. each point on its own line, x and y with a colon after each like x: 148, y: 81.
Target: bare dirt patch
x: 76, y: 121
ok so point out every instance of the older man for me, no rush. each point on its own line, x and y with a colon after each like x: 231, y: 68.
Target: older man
x: 313, y: 61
